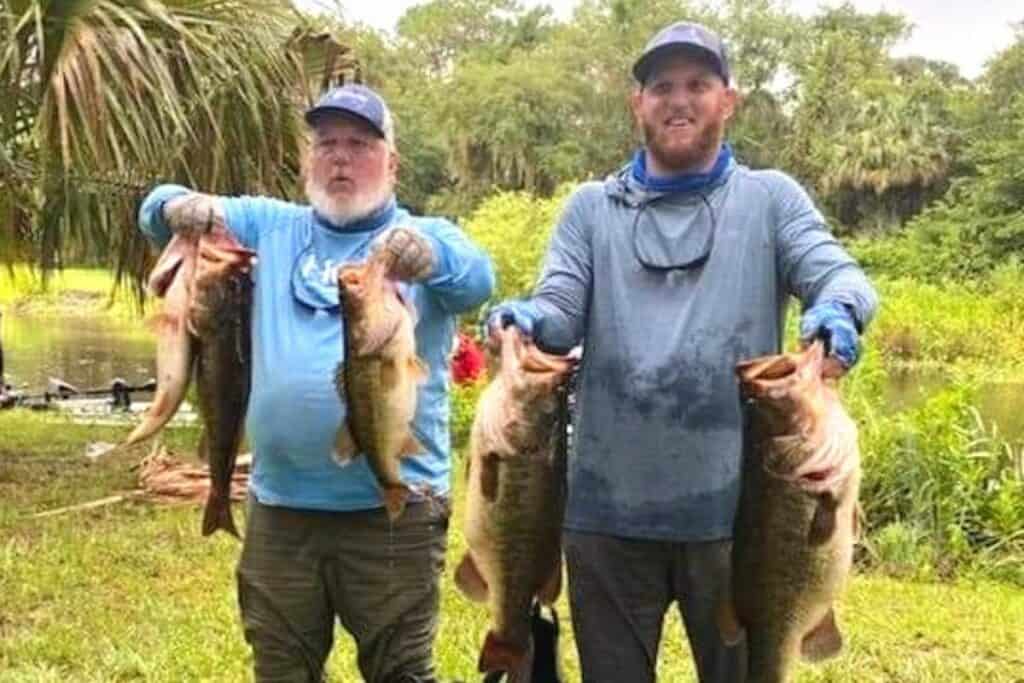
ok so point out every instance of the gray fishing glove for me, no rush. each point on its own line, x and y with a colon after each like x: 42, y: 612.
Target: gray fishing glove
x: 194, y: 213
x: 409, y: 253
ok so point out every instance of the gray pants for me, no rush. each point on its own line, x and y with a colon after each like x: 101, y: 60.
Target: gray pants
x: 619, y: 592
x: 301, y: 569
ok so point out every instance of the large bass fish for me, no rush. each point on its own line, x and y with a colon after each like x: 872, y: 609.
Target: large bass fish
x: 378, y: 379
x: 797, y: 520
x: 204, y: 327
x: 515, y: 499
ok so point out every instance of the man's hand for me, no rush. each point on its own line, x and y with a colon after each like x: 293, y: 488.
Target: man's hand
x: 193, y: 213
x: 524, y: 314
x: 833, y: 323
x: 409, y: 254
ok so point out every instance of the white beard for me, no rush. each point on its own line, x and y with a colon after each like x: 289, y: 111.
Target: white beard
x: 342, y: 211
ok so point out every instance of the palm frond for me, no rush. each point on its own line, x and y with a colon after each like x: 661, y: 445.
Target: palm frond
x: 108, y: 97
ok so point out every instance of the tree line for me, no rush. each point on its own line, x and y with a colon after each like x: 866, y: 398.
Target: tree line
x: 489, y: 96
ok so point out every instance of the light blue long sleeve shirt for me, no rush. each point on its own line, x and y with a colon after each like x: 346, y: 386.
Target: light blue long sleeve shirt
x: 294, y: 410
x: 658, y: 426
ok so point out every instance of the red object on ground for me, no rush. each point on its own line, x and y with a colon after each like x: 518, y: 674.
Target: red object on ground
x: 468, y: 363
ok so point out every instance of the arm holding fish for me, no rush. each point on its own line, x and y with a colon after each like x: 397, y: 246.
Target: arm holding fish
x: 409, y: 253
x: 555, y: 317
x: 838, y: 300
x: 439, y: 255
x: 173, y: 209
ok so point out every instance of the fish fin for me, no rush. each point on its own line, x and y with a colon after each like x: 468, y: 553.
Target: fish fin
x: 345, y: 448
x: 729, y: 626
x: 500, y: 655
x: 217, y: 515
x: 823, y: 525
x: 489, y: 477
x: 469, y: 580
x: 412, y: 446
x: 553, y: 586
x: 823, y: 641
x: 394, y: 500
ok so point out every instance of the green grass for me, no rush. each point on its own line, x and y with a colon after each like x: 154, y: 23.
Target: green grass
x: 71, y: 291
x: 132, y: 592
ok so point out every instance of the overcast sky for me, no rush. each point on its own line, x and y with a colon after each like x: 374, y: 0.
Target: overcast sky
x: 964, y: 32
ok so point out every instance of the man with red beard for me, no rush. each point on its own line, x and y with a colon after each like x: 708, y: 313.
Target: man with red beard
x: 319, y: 547
x: 669, y: 272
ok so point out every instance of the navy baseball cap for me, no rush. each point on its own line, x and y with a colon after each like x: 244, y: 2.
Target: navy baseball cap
x: 358, y: 101
x: 683, y: 36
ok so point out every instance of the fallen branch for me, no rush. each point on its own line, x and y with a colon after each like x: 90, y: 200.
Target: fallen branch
x: 110, y: 500
x: 166, y: 480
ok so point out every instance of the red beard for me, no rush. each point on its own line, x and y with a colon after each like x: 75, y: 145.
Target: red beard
x: 693, y: 157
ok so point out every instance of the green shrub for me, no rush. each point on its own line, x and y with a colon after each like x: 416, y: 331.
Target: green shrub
x: 515, y: 228
x: 463, y: 401
x: 901, y: 550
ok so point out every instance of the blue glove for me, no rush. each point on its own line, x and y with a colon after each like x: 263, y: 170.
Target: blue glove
x: 522, y: 313
x: 832, y: 322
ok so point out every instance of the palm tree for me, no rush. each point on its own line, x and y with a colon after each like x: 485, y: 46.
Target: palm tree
x: 888, y: 157
x: 103, y: 98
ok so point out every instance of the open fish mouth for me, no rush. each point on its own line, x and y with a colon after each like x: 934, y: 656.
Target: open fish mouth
x: 351, y: 278
x: 161, y: 279
x: 775, y: 377
x: 356, y: 281
x: 220, y: 259
x: 530, y: 360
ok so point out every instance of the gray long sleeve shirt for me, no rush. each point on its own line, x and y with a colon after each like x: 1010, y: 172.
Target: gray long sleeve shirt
x: 658, y: 428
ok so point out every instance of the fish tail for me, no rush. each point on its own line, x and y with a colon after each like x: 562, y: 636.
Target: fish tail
x: 217, y: 515
x: 394, y: 500
x: 501, y: 655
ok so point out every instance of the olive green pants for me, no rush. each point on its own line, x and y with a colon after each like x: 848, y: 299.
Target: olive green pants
x: 301, y: 569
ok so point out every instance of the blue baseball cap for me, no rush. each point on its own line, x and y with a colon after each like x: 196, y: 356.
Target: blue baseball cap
x: 358, y: 101
x: 683, y: 36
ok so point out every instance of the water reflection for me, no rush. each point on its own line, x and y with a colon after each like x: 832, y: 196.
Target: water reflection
x: 87, y: 352
x: 1001, y: 403
x: 90, y: 352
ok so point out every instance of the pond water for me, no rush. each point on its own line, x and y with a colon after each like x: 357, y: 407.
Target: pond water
x: 84, y: 351
x: 91, y: 351
x: 1001, y: 403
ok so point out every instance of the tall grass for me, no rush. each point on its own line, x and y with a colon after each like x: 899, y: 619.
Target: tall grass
x: 943, y: 492
x: 979, y: 322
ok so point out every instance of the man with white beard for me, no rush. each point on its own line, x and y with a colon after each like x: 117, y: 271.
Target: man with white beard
x: 318, y: 544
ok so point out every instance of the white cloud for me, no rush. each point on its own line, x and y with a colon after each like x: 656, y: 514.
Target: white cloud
x: 964, y: 33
